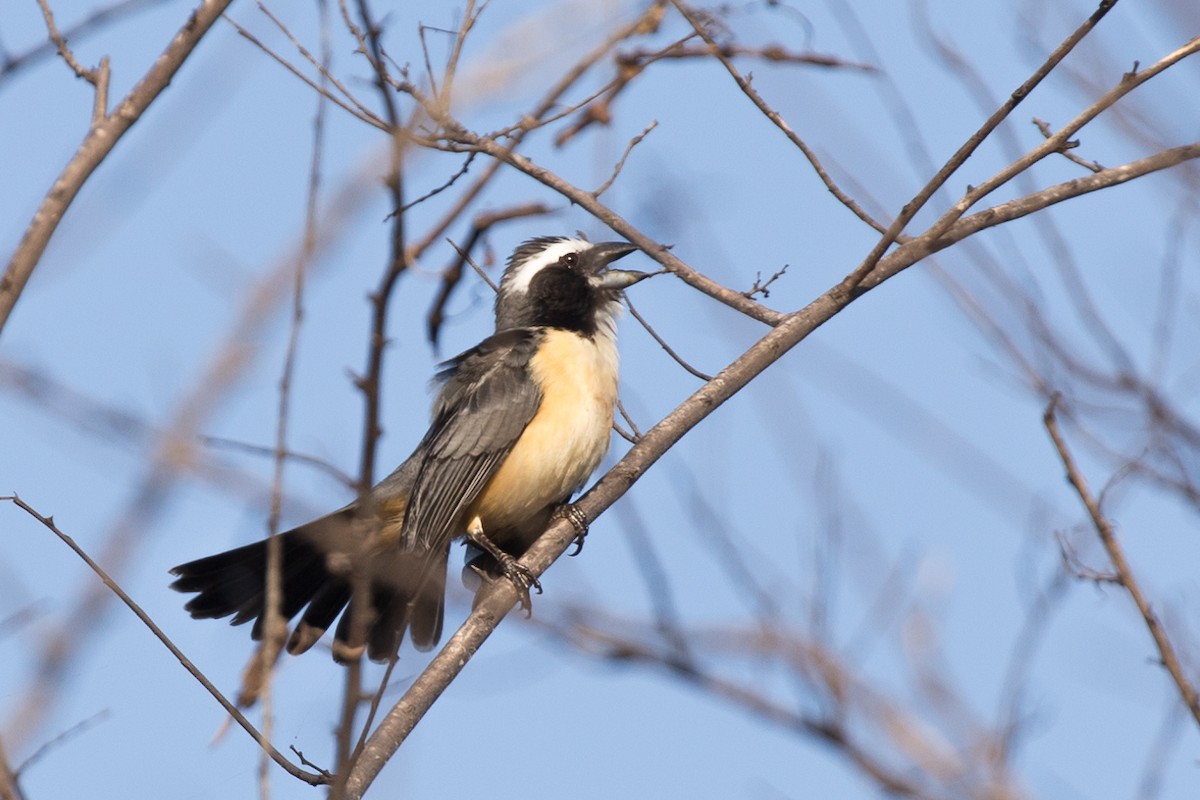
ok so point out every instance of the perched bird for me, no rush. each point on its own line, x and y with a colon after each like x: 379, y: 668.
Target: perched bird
x: 520, y: 422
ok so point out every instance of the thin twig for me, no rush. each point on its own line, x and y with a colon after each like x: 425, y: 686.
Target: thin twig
x: 435, y: 191
x: 1116, y: 554
x: 47, y: 746
x: 637, y: 434
x: 663, y: 344
x: 308, y: 777
x: 350, y: 105
x: 1066, y: 147
x: 774, y: 116
x: 87, y: 26
x: 463, y: 254
x: 634, y: 142
x: 92, y: 76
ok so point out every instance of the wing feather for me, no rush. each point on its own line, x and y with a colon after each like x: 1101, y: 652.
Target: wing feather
x: 486, y: 402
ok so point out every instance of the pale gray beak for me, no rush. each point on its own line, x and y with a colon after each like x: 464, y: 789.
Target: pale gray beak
x: 604, y: 254
x: 620, y: 278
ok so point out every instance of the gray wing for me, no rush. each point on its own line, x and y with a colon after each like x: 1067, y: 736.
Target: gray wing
x: 487, y: 400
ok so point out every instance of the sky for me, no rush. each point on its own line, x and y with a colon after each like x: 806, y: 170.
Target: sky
x: 899, y: 441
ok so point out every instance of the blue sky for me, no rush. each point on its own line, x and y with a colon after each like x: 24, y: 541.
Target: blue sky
x: 896, y: 441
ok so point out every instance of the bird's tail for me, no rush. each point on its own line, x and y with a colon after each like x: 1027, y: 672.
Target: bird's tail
x: 406, y: 590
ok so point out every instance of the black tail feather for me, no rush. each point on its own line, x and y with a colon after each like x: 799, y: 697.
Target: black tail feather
x: 233, y: 584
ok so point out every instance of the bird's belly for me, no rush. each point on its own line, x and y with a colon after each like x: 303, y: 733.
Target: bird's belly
x: 567, y: 437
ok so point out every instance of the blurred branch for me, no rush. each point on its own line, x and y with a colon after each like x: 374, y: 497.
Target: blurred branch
x: 101, y: 138
x: 776, y: 53
x: 370, y: 383
x: 496, y: 600
x: 453, y: 273
x: 46, y: 747
x: 864, y: 726
x: 257, y: 678
x: 10, y: 788
x: 170, y: 455
x: 1124, y: 573
x: 92, y: 23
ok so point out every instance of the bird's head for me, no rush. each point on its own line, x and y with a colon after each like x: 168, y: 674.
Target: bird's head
x: 563, y: 283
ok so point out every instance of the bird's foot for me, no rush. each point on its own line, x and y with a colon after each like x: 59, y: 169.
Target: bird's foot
x: 520, y: 575
x: 578, y: 521
x: 522, y: 578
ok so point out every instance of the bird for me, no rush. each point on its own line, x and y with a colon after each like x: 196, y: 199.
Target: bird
x: 519, y: 423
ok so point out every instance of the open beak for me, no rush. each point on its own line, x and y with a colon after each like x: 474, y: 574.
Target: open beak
x: 604, y: 254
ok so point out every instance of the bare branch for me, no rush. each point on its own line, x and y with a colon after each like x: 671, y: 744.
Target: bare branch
x: 99, y: 142
x: 658, y: 252
x: 1066, y: 148
x: 1124, y: 572
x: 634, y: 142
x: 662, y: 343
x: 48, y: 522
x: 773, y: 115
x: 87, y: 26
x: 773, y: 52
x: 921, y: 246
x: 452, y: 274
x: 1055, y: 143
x: 60, y: 44
x: 891, y: 235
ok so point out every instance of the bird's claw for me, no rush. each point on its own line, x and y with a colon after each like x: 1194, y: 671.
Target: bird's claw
x: 578, y: 521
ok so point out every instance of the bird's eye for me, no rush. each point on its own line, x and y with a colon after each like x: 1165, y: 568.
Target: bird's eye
x: 570, y: 260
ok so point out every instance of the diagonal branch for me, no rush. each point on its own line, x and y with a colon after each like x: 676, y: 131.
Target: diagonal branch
x: 920, y: 247
x: 308, y: 777
x: 497, y: 600
x: 1124, y: 573
x: 892, y: 234
x: 102, y: 137
x: 719, y: 53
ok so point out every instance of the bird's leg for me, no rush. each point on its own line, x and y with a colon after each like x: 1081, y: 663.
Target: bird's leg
x: 578, y: 521
x: 516, y: 572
